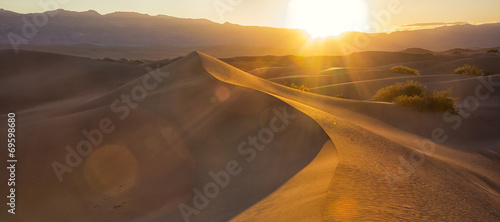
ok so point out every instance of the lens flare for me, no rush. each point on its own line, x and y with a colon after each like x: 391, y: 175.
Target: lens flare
x: 325, y: 18
x: 110, y: 170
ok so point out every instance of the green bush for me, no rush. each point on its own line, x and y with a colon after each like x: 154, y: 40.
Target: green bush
x: 441, y: 101
x: 405, y: 70
x: 469, y: 70
x: 416, y: 102
x: 456, y: 52
x: 492, y: 51
x: 408, y: 88
x: 293, y: 86
x: 412, y: 94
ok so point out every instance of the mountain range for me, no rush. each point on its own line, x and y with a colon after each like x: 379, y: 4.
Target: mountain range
x: 76, y: 32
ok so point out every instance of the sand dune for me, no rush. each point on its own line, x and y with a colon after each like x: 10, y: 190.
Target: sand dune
x: 181, y: 143
x: 365, y: 90
x: 488, y: 63
x: 365, y: 160
x: 164, y: 148
x: 34, y: 78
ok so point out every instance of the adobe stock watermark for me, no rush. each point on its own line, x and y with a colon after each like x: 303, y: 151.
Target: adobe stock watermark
x: 94, y: 137
x: 249, y: 149
x: 222, y: 7
x: 30, y: 29
x: 406, y: 168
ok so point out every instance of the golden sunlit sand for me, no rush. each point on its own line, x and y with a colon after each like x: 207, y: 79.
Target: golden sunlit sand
x: 327, y: 159
x: 233, y: 110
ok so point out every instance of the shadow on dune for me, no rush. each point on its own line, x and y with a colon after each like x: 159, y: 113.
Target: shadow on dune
x: 217, y: 122
x: 168, y: 137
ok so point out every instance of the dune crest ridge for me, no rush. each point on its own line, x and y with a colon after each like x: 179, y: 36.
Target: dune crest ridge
x: 373, y: 153
x: 201, y: 135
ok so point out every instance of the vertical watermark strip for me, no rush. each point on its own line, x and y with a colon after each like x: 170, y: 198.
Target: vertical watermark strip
x: 11, y: 162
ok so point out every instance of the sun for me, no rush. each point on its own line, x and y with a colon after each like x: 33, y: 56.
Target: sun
x: 326, y: 18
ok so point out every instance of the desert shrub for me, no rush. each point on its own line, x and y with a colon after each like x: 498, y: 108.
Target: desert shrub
x: 293, y: 86
x: 441, y: 101
x: 456, y: 52
x: 416, y: 102
x: 408, y: 88
x: 341, y: 96
x: 302, y: 87
x: 405, y: 70
x: 389, y: 93
x: 469, y: 70
x: 412, y: 94
x: 492, y: 51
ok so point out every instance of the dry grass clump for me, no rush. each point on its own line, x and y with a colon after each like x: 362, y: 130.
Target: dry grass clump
x: 405, y: 70
x: 469, y: 70
x: 413, y: 94
x: 293, y: 86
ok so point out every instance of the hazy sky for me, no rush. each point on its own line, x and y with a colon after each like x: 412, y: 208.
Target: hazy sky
x: 274, y: 12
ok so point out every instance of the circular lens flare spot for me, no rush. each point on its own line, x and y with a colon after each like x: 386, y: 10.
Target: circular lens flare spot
x: 222, y: 93
x: 110, y: 170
